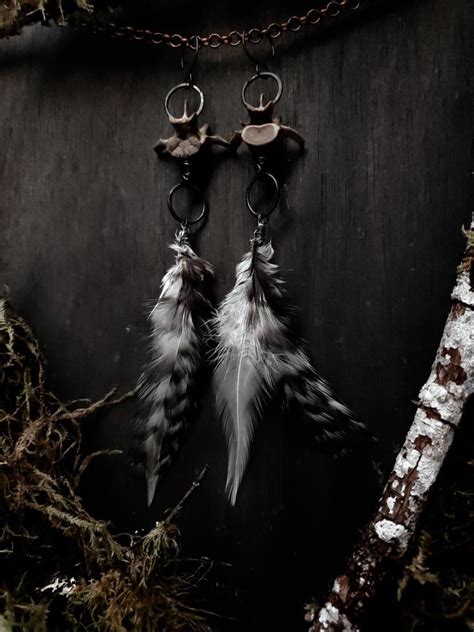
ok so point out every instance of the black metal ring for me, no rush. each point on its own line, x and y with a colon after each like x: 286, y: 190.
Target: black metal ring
x: 181, y: 86
x: 266, y: 74
x: 185, y: 184
x: 262, y: 175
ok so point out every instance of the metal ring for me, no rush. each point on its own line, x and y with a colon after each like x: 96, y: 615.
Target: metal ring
x: 274, y: 30
x: 176, y: 40
x: 214, y: 40
x: 185, y: 184
x: 262, y: 75
x: 294, y: 23
x: 181, y: 86
x: 262, y: 175
x: 234, y: 38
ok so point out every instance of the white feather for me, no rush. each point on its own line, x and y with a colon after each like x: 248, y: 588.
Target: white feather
x: 256, y: 353
x: 246, y: 371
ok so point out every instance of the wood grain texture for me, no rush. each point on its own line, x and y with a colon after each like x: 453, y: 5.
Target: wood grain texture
x: 384, y: 184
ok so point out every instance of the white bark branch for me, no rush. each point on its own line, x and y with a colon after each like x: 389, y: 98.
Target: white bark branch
x: 441, y: 403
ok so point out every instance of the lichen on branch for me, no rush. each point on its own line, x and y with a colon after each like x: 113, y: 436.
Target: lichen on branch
x: 442, y: 401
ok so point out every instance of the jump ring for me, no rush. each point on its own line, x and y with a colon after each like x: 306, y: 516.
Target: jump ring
x: 265, y: 74
x: 186, y: 185
x: 182, y: 86
x: 235, y: 38
x: 262, y: 175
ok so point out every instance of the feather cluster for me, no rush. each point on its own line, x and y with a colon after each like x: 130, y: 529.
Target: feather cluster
x: 166, y: 389
x: 256, y: 354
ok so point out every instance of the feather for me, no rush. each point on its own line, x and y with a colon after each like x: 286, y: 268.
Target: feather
x: 256, y: 354
x: 166, y: 389
x: 333, y: 424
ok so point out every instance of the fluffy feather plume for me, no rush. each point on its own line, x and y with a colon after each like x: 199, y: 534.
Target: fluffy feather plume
x: 166, y: 387
x: 256, y: 354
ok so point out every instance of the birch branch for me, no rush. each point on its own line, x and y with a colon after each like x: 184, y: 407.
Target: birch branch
x: 441, y: 403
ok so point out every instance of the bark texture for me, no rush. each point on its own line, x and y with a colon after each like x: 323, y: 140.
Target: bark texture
x: 439, y: 411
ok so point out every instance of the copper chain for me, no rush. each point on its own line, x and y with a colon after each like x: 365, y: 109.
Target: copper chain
x: 234, y: 38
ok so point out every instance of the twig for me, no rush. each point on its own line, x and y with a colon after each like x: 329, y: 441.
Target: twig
x: 104, y: 402
x: 439, y: 410
x: 170, y: 517
x: 88, y: 459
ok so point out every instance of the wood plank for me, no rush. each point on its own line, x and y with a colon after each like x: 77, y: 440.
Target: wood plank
x: 384, y: 107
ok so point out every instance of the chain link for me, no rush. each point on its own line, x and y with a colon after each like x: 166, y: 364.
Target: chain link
x: 274, y: 30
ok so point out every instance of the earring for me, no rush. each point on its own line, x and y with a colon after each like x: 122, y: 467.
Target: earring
x: 256, y: 353
x: 166, y: 389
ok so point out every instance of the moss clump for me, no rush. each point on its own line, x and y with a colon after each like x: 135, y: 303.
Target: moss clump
x: 16, y: 14
x: 62, y: 568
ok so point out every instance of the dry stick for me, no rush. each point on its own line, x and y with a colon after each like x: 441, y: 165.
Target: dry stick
x: 88, y: 460
x: 439, y: 411
x: 104, y: 402
x: 172, y: 515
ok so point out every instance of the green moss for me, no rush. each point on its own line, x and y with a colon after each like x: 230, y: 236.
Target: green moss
x: 16, y: 14
x: 62, y: 568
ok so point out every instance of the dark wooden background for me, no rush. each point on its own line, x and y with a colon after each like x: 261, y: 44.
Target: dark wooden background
x: 368, y: 235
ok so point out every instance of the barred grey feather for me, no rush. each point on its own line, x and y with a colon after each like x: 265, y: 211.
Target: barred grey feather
x: 255, y: 354
x: 166, y: 387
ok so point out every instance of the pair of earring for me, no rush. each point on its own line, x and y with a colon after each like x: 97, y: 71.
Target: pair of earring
x: 255, y: 355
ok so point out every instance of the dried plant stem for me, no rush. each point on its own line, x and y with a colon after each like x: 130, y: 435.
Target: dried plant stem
x: 441, y: 403
x: 82, y: 575
x: 174, y: 512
